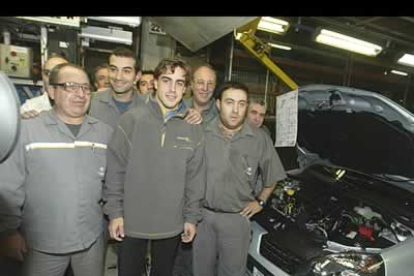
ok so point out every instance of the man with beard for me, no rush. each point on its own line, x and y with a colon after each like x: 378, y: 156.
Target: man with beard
x: 235, y: 152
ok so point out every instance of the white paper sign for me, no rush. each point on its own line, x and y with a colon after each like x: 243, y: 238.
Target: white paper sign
x: 287, y: 119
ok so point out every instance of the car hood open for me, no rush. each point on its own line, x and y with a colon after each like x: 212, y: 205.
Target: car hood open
x: 355, y: 129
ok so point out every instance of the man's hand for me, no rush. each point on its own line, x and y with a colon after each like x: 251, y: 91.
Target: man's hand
x: 252, y: 208
x: 190, y: 231
x: 193, y: 117
x: 116, y: 228
x: 13, y: 246
x: 30, y: 114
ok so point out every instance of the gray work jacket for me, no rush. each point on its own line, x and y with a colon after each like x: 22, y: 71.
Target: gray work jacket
x: 233, y: 166
x: 156, y: 173
x: 51, y: 186
x: 209, y: 114
x: 103, y: 107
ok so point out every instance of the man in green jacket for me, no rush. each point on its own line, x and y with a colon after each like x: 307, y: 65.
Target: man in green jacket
x: 156, y: 175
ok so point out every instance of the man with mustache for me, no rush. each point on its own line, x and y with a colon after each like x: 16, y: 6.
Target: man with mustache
x: 51, y: 185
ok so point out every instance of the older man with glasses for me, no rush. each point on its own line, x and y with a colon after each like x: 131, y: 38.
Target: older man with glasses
x: 51, y: 186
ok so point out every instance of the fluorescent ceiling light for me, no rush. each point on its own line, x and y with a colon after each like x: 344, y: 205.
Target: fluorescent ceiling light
x: 72, y: 21
x: 278, y: 46
x: 399, y: 73
x: 109, y: 35
x: 348, y: 43
x: 133, y: 21
x: 407, y: 59
x: 273, y: 25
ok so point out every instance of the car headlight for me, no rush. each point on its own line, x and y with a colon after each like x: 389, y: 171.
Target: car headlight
x: 346, y: 264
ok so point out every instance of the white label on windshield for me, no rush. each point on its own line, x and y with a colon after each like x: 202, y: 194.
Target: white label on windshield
x: 287, y: 119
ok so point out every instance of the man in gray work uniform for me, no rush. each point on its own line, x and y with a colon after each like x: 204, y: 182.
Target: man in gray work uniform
x: 51, y: 185
x: 110, y: 104
x: 203, y: 84
x: 235, y: 152
x: 156, y: 176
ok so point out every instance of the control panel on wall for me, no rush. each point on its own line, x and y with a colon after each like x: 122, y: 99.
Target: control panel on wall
x: 16, y: 61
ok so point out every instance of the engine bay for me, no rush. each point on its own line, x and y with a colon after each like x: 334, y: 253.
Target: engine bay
x: 306, y: 219
x: 338, y: 222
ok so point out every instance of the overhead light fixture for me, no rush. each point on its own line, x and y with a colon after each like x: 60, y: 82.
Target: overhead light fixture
x: 407, y: 59
x: 273, y: 25
x: 108, y: 35
x: 279, y: 46
x: 349, y: 43
x: 132, y: 21
x: 399, y: 73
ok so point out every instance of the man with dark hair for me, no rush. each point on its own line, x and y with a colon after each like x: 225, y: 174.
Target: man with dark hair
x: 235, y: 152
x: 256, y: 113
x: 101, y: 77
x: 146, y: 82
x: 51, y: 186
x: 156, y: 175
x: 110, y: 104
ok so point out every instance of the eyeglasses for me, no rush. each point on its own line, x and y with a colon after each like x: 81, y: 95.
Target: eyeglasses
x: 72, y: 87
x: 210, y: 85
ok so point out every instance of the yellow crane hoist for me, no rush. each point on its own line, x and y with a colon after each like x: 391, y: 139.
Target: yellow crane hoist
x: 245, y: 35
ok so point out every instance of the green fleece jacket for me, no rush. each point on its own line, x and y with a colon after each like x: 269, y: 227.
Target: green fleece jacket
x: 156, y: 172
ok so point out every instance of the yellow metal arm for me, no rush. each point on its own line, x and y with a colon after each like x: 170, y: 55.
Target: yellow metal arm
x: 261, y: 51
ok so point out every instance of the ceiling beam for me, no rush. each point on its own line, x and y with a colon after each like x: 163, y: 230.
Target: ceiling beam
x: 368, y: 20
x: 381, y: 28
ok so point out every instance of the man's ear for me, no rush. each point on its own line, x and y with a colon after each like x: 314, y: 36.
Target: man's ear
x: 218, y: 104
x: 155, y: 84
x: 138, y: 76
x: 51, y: 91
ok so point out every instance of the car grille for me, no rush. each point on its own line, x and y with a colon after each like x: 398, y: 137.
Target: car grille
x: 282, y: 258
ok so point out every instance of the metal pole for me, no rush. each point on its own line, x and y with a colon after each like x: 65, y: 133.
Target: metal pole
x: 231, y: 57
x: 266, y: 86
x: 43, y: 45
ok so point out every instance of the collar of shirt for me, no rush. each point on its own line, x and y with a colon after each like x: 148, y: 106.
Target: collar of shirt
x: 179, y: 111
x: 190, y: 103
x: 52, y: 119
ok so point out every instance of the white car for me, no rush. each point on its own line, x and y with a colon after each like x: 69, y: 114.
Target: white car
x: 349, y: 209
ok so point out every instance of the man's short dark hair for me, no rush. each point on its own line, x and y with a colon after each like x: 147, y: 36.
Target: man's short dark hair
x: 97, y: 68
x: 54, y: 74
x: 147, y: 72
x: 170, y: 64
x: 125, y: 52
x: 231, y: 85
